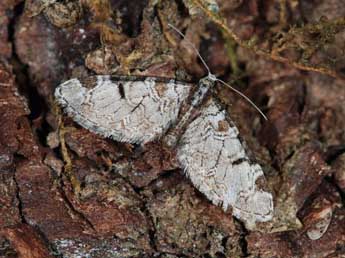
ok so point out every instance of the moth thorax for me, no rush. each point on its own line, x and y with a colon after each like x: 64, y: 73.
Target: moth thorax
x: 203, y: 86
x: 208, y: 81
x: 170, y: 140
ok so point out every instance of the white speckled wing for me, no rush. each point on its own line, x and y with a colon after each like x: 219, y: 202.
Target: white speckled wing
x: 216, y: 162
x: 125, y: 110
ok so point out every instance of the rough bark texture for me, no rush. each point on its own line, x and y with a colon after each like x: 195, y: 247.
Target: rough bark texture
x: 65, y: 192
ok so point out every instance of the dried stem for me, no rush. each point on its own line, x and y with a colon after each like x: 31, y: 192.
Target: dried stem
x: 218, y: 20
x: 64, y: 151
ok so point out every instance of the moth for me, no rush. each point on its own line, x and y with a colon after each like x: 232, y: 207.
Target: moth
x: 142, y: 109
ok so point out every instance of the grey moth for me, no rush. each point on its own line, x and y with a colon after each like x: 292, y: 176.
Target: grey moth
x: 142, y: 109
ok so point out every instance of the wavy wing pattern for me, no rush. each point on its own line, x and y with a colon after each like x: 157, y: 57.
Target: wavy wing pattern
x: 215, y: 161
x: 127, y: 111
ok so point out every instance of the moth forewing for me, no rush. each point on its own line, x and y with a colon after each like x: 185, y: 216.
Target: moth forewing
x: 216, y: 162
x: 134, y: 110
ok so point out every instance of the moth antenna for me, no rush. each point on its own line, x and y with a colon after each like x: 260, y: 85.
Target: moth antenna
x: 213, y: 76
x: 245, y: 97
x: 192, y: 45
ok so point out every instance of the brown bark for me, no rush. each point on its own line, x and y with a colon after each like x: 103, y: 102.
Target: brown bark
x: 66, y: 192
